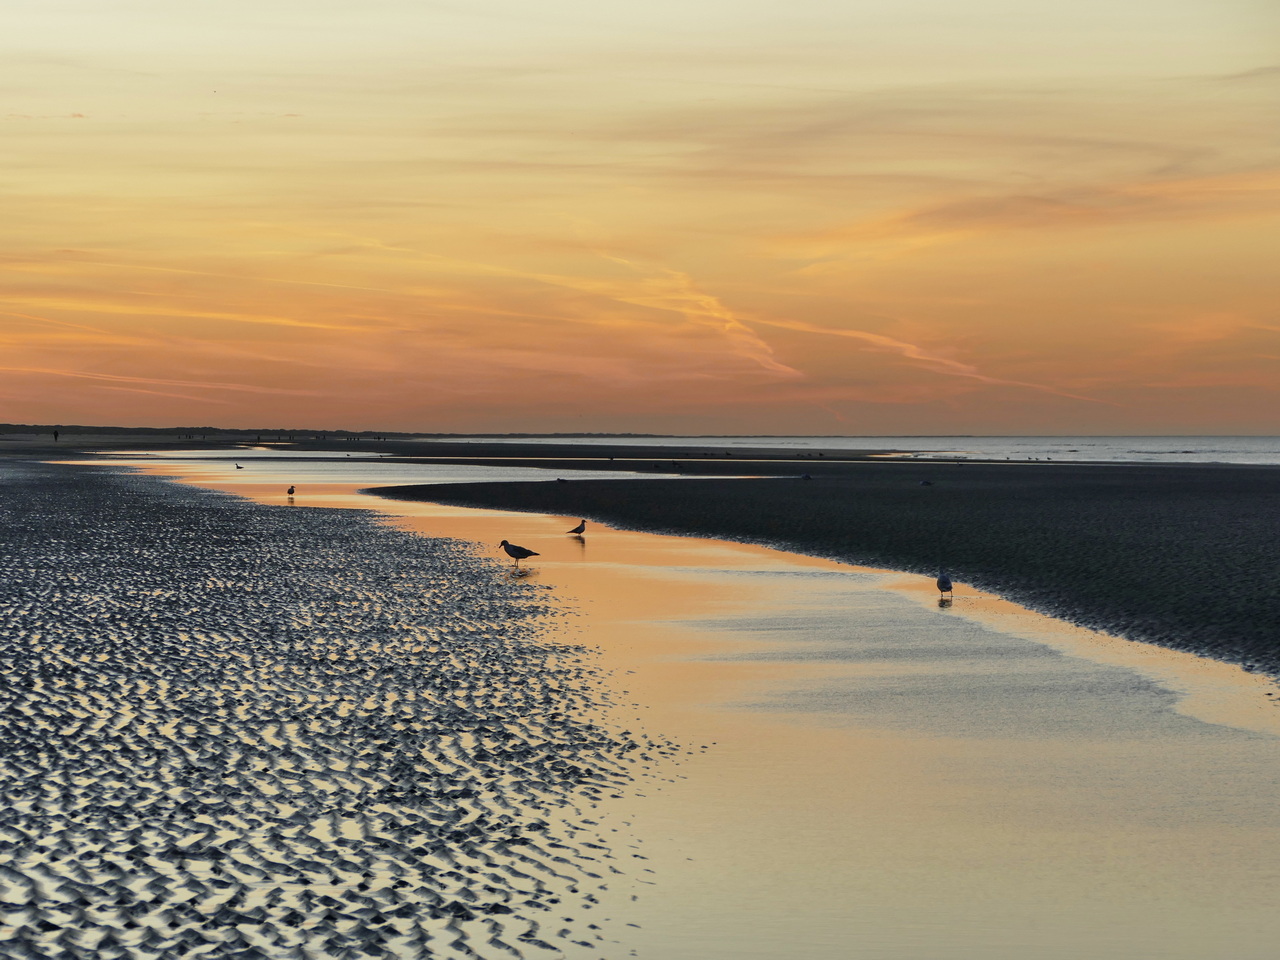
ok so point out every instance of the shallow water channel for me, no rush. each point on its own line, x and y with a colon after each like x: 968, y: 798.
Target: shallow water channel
x: 886, y: 778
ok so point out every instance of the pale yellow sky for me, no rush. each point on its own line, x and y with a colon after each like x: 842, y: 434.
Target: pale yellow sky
x: 877, y: 217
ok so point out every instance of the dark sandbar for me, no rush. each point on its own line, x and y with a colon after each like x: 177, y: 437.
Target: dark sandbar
x: 1184, y: 556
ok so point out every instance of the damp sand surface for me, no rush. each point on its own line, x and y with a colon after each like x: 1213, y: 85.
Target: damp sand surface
x: 236, y: 730
x: 888, y: 779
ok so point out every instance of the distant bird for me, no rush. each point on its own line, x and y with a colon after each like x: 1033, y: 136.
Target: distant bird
x: 238, y: 467
x: 944, y: 582
x: 290, y: 491
x: 518, y: 553
x: 561, y: 480
x: 582, y: 525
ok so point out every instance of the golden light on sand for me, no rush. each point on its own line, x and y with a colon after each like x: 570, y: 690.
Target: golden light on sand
x: 817, y: 218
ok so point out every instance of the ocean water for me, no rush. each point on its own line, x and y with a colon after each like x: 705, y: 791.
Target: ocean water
x: 1242, y: 450
x: 285, y: 467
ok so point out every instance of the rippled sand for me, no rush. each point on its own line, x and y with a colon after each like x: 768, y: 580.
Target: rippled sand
x: 236, y: 730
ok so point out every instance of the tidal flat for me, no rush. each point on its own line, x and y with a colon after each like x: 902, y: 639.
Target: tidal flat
x: 811, y: 759
x: 237, y: 730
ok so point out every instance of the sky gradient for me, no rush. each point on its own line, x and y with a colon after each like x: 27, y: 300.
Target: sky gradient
x: 751, y: 217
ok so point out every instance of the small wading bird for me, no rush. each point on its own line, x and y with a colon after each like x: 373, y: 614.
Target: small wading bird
x: 238, y: 467
x: 582, y: 525
x: 518, y: 553
x: 944, y: 583
x: 291, y: 490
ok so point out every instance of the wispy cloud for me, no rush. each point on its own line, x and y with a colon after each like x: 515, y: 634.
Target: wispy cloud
x: 676, y: 292
x: 121, y: 379
x: 97, y: 305
x: 1258, y: 73
x: 1249, y: 194
x: 931, y: 361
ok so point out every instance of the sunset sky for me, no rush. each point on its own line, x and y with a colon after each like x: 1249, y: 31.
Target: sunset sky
x: 867, y: 216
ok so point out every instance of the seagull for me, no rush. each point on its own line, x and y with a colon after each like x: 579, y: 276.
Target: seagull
x: 518, y: 553
x: 582, y: 525
x: 944, y: 582
x: 290, y: 490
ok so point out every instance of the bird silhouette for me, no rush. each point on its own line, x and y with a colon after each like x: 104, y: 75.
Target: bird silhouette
x: 238, y: 467
x: 944, y: 582
x: 582, y: 525
x: 290, y: 490
x: 518, y: 553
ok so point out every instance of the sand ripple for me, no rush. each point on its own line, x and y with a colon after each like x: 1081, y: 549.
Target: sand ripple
x: 232, y: 730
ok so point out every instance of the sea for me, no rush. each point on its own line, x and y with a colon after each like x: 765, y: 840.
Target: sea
x: 1176, y: 449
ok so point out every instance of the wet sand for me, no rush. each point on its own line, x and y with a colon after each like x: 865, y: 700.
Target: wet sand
x: 240, y: 730
x: 890, y: 779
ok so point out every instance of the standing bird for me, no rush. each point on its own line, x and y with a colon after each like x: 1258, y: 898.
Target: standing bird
x: 518, y: 553
x: 944, y: 583
x: 582, y: 525
x: 290, y: 491
x: 238, y: 467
